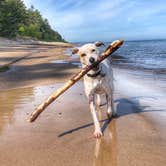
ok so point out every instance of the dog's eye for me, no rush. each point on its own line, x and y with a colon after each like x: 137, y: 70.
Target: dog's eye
x: 82, y: 55
x: 93, y: 50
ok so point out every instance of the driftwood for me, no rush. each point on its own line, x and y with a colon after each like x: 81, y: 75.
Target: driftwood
x: 110, y: 49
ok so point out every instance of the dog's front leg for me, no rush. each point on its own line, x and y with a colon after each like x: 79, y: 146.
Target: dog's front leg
x: 97, y: 132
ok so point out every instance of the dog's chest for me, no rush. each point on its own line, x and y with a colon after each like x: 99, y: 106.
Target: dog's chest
x: 98, y: 86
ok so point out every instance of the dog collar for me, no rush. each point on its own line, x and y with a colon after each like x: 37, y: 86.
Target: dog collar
x: 96, y: 74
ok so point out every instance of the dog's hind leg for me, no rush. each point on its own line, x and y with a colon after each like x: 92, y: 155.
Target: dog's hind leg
x: 98, y: 100
x: 97, y: 132
x: 109, y: 105
x: 114, y: 114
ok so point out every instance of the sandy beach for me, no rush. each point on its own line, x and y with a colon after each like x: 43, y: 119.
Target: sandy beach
x: 62, y: 135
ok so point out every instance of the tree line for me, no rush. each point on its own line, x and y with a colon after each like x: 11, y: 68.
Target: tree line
x: 16, y: 20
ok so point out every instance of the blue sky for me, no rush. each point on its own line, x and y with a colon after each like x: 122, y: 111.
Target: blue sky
x: 92, y: 20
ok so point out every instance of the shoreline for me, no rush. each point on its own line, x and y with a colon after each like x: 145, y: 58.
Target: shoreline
x: 151, y: 75
x: 137, y: 68
x: 35, y: 65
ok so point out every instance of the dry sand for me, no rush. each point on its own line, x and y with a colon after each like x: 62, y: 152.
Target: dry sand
x: 62, y: 135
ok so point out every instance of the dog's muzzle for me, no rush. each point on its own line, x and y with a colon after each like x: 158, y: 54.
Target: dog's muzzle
x: 92, y: 61
x: 98, y: 71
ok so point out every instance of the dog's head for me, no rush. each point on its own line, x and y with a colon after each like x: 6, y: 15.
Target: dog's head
x: 88, y: 53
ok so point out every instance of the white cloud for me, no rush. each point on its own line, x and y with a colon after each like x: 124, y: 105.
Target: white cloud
x: 28, y: 3
x: 76, y: 18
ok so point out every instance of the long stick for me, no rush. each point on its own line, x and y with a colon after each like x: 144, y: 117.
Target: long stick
x: 110, y: 49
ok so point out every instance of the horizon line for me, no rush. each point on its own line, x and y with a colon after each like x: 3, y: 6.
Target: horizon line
x: 132, y: 40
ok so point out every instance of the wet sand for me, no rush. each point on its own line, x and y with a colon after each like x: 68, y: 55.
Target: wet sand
x: 62, y: 135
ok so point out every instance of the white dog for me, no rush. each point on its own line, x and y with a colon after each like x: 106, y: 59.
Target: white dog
x: 97, y: 81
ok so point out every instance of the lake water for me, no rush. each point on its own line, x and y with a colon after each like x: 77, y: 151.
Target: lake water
x: 141, y: 54
x: 145, y: 54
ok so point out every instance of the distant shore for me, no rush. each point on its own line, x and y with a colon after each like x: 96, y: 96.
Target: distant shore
x: 29, y: 41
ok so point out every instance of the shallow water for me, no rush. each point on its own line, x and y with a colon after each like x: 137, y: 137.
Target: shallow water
x: 71, y: 62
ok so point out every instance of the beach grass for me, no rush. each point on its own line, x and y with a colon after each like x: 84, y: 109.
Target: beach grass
x: 4, y: 68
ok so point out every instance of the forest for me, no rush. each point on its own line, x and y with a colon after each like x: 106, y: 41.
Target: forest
x: 16, y: 20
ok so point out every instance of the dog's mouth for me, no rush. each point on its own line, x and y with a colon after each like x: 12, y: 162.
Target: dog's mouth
x: 96, y: 68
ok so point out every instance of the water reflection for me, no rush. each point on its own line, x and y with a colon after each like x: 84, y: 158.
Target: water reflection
x: 105, y: 153
x: 10, y: 101
x: 15, y: 104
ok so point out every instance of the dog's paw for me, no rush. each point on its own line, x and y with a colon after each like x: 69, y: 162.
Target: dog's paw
x: 109, y: 115
x: 98, y: 134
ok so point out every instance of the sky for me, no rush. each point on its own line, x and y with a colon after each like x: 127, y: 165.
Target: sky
x: 104, y: 20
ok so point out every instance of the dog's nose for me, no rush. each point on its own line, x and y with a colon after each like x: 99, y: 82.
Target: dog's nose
x: 91, y: 60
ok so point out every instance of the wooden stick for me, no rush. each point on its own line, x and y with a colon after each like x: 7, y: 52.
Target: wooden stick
x: 110, y: 49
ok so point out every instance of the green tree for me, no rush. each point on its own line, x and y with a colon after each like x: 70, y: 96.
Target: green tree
x: 16, y: 20
x: 12, y: 15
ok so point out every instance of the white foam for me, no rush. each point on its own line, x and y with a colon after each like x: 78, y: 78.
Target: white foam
x: 147, y: 91
x: 59, y: 62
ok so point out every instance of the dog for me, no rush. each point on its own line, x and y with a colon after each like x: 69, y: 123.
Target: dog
x: 97, y: 82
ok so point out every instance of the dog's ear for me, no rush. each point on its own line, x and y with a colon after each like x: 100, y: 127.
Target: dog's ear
x: 75, y: 50
x: 98, y: 44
